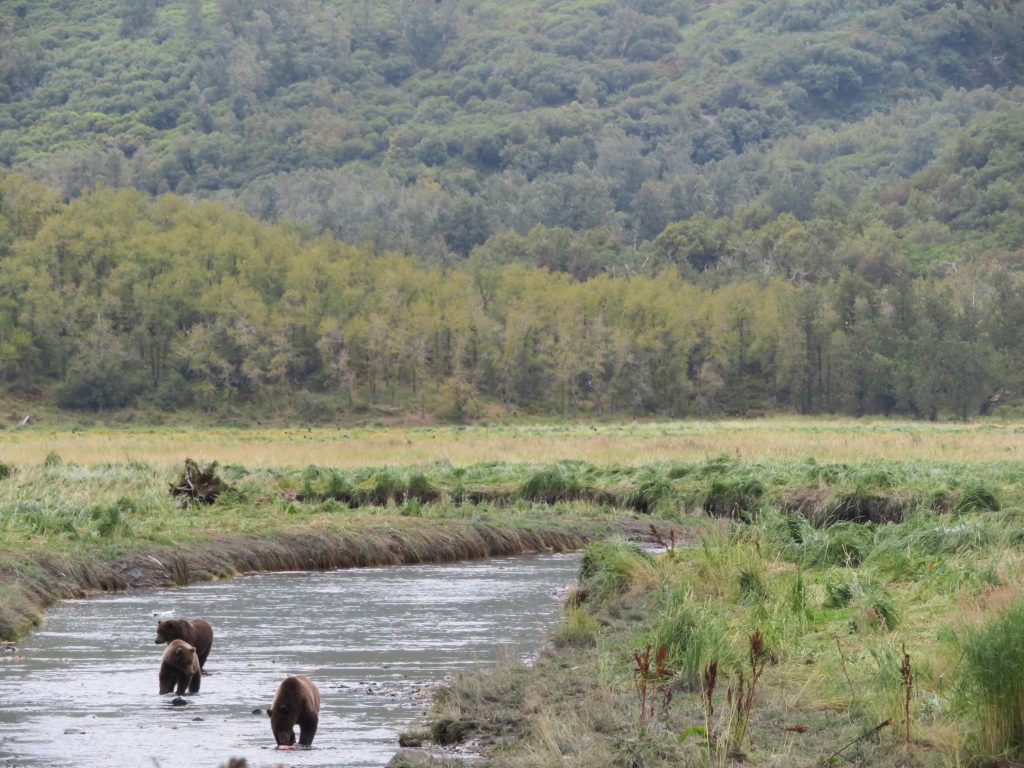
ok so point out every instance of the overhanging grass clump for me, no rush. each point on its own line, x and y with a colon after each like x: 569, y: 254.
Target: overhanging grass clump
x: 383, y: 488
x: 733, y: 497
x: 580, y: 628
x: 645, y: 497
x: 419, y: 488
x: 552, y: 485
x: 862, y: 505
x: 977, y: 498
x: 326, y: 485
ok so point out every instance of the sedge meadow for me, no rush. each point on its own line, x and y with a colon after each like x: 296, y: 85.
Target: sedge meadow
x: 826, y: 591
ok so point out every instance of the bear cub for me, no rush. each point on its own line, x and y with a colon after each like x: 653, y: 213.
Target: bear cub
x: 196, y: 632
x: 297, y: 702
x: 179, y: 668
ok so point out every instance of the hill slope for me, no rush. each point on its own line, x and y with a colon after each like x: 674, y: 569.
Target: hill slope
x: 401, y: 123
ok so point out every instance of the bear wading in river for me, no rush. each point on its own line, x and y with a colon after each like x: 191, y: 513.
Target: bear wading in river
x: 179, y: 668
x: 196, y: 632
x: 297, y: 702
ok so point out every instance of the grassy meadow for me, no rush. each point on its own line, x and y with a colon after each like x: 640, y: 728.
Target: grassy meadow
x: 827, y: 592
x: 614, y: 443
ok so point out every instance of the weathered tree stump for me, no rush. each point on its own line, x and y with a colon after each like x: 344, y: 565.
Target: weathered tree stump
x: 198, y: 484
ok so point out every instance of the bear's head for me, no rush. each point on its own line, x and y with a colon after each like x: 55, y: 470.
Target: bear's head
x: 170, y: 629
x: 182, y: 656
x: 282, y: 721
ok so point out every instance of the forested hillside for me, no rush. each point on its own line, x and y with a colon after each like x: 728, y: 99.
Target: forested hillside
x: 598, y: 206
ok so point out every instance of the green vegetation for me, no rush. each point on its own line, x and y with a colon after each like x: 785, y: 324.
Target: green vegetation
x: 114, y: 301
x: 809, y: 577
x: 403, y: 124
x: 780, y: 638
x: 650, y: 207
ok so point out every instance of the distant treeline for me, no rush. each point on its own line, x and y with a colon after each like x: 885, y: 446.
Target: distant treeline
x: 116, y: 298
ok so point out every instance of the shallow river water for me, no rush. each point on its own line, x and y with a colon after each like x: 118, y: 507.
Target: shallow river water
x: 82, y: 690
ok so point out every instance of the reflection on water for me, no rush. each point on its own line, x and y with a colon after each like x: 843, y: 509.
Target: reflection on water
x: 83, y: 690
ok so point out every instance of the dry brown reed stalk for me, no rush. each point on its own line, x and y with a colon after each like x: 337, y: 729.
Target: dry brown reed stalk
x: 867, y: 734
x: 651, y: 681
x: 707, y: 692
x: 908, y: 683
x: 742, y: 699
x: 846, y: 674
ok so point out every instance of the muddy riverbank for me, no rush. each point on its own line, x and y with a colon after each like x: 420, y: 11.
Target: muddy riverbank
x: 33, y: 581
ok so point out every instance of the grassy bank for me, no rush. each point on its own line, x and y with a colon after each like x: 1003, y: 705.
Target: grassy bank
x: 69, y: 529
x: 864, y: 615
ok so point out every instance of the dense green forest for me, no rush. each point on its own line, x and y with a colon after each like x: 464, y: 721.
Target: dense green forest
x: 588, y: 206
x: 116, y: 298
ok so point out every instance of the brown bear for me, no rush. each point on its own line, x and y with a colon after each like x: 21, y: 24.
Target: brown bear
x: 179, y: 668
x: 297, y: 701
x: 196, y: 632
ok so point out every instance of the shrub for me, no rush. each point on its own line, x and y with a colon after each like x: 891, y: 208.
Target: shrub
x: 6, y: 470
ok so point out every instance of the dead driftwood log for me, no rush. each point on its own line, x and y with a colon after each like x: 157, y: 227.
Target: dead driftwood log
x: 198, y: 484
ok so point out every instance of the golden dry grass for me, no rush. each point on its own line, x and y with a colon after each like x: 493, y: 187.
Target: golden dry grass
x: 626, y: 443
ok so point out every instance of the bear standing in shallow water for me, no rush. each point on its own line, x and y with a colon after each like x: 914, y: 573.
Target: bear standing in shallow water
x: 196, y: 632
x: 297, y: 701
x: 179, y: 668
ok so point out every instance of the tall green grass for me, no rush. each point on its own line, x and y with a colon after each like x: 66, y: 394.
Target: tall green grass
x: 993, y: 672
x: 613, y: 566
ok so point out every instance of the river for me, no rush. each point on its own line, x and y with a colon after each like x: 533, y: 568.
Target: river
x: 82, y: 690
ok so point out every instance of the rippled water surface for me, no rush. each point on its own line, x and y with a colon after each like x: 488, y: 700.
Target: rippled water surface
x: 82, y: 691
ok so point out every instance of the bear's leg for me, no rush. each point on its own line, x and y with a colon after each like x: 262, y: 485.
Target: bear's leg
x: 193, y: 687
x: 166, y: 683
x: 183, y: 681
x: 307, y: 730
